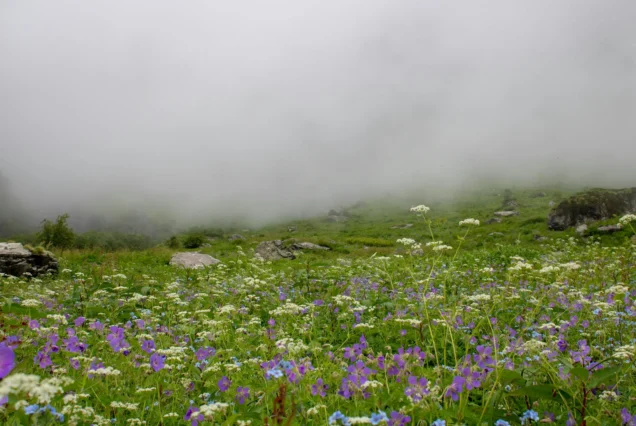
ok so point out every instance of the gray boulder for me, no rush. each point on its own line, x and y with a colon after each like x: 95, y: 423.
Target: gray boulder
x: 273, y: 250
x: 506, y: 213
x: 195, y: 260
x: 236, y: 237
x: 608, y: 229
x: 493, y: 220
x: 405, y: 226
x: 591, y: 206
x: 581, y: 229
x: 17, y: 261
x: 337, y: 218
x: 307, y: 246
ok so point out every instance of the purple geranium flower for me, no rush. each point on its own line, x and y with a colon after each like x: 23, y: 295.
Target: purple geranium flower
x: 148, y: 346
x: 157, y: 361
x: 319, y: 388
x: 455, y: 388
x: 242, y: 393
x: 7, y: 360
x: 398, y: 419
x: 194, y: 420
x: 417, y: 388
x: 224, y: 384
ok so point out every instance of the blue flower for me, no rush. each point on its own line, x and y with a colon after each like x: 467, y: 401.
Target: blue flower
x: 439, y: 422
x: 529, y: 415
x: 377, y: 418
x: 30, y: 409
x: 501, y: 423
x: 274, y: 372
x: 333, y: 419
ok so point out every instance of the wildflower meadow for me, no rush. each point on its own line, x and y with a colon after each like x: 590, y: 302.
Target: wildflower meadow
x: 435, y: 335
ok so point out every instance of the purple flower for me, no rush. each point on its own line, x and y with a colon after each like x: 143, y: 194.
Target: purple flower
x: 205, y: 353
x: 79, y: 321
x: 319, y: 388
x: 473, y: 378
x: 627, y: 418
x: 42, y: 359
x: 483, y: 356
x: 148, y: 346
x: 74, y: 363
x: 194, y: 420
x: 116, y: 339
x: 7, y: 360
x: 157, y: 361
x: 398, y: 419
x: 417, y: 389
x: 242, y: 393
x: 34, y: 324
x: 455, y: 388
x: 224, y: 384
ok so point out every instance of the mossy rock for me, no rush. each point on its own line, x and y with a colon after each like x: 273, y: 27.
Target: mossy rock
x: 592, y: 206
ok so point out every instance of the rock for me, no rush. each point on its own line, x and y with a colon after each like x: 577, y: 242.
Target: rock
x: 417, y: 252
x: 337, y: 218
x: 538, y: 194
x: 591, y: 206
x: 493, y: 220
x: 507, y: 213
x: 291, y: 229
x: 581, y: 229
x: 538, y: 237
x: 405, y: 226
x: 273, y: 250
x: 608, y: 229
x: 194, y: 260
x: 236, y: 237
x: 510, y: 205
x: 16, y: 260
x: 551, y: 204
x: 307, y: 246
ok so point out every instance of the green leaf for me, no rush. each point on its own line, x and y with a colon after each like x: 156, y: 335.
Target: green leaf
x: 541, y: 392
x: 581, y: 373
x: 600, y: 376
x: 510, y: 376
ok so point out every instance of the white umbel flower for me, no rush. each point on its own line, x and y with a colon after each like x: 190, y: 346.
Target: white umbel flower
x: 421, y: 209
x: 473, y: 222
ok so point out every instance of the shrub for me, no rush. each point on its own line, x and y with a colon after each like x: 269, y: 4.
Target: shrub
x: 193, y: 241
x: 57, y: 234
x: 173, y: 242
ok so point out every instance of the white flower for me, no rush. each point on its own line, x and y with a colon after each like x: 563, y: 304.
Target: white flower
x: 407, y: 241
x: 422, y: 209
x: 471, y: 221
x: 442, y: 247
x: 627, y: 219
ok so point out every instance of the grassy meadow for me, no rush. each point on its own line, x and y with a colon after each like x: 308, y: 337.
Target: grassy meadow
x: 475, y: 324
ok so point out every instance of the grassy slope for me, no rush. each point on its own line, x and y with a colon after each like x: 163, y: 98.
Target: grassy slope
x: 368, y: 231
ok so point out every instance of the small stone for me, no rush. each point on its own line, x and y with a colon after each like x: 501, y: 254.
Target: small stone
x: 507, y: 213
x: 194, y: 260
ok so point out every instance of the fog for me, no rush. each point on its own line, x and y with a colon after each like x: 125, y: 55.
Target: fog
x: 279, y: 109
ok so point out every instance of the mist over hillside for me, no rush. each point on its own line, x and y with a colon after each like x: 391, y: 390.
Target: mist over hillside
x: 187, y: 113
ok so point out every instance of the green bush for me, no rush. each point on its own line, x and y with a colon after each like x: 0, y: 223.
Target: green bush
x: 57, y: 234
x: 173, y: 242
x: 193, y: 241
